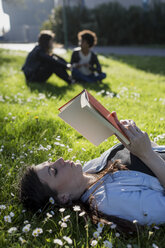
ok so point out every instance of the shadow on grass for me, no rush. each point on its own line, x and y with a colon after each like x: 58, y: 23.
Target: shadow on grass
x: 5, y: 60
x: 96, y: 86
x: 155, y: 65
x: 50, y: 89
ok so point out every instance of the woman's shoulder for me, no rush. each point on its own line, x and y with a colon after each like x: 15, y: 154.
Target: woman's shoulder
x: 76, y: 50
x: 97, y: 164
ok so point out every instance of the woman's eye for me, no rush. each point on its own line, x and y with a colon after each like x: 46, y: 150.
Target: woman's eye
x: 55, y: 171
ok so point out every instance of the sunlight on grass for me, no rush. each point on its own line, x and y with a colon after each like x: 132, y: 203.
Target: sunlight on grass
x: 31, y: 133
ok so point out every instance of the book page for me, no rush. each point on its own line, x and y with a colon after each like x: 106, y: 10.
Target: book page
x: 86, y: 121
x: 105, y: 113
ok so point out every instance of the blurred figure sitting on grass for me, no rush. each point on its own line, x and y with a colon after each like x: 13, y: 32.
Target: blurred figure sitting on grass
x: 41, y: 63
x: 85, y: 64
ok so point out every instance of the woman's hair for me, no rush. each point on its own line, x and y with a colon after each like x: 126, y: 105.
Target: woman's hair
x: 43, y: 39
x: 97, y: 216
x: 89, y: 36
x: 35, y: 195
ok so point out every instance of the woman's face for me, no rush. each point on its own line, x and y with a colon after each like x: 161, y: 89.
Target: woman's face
x: 51, y: 44
x: 61, y: 176
x: 84, y: 44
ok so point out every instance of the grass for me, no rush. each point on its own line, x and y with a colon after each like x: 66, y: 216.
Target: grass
x: 28, y: 117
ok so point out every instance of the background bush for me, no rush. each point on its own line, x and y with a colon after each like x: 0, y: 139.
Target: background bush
x: 113, y: 24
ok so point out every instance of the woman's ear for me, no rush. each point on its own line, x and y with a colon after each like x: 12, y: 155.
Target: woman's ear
x: 64, y: 198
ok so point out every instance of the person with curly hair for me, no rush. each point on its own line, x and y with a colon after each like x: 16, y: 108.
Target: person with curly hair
x: 85, y: 63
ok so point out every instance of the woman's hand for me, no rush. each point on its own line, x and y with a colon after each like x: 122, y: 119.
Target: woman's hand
x: 140, y: 144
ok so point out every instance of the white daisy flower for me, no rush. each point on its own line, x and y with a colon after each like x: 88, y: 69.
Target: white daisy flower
x: 63, y: 224
x: 99, y: 230
x: 51, y: 200
x: 117, y: 235
x: 100, y: 224
x: 68, y: 240
x: 58, y: 241
x: 22, y: 240
x: 62, y: 145
x: 12, y: 229
x: 94, y: 243
x: 82, y: 213
x: 156, y: 227
x: 155, y: 246
x: 56, y: 143
x: 26, y: 222
x: 2, y: 207
x: 61, y: 210
x: 66, y: 218
x: 26, y: 228
x: 12, y: 214
x: 49, y: 215
x: 113, y: 226
x: 39, y: 230
x: 35, y: 233
x: 7, y: 218
x: 96, y: 235
x: 76, y: 208
x: 129, y: 246
x: 107, y: 244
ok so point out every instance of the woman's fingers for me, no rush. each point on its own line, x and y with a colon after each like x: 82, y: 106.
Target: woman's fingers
x: 126, y: 130
x: 128, y: 127
x: 134, y: 130
x: 115, y: 117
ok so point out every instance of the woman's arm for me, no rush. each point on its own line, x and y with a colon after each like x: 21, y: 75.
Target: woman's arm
x: 95, y: 64
x: 140, y: 145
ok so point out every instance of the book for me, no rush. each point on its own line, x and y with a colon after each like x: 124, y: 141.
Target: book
x: 90, y: 118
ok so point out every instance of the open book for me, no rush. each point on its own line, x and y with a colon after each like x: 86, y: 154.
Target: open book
x: 89, y: 117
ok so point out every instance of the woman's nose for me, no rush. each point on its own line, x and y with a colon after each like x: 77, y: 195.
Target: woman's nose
x: 61, y: 161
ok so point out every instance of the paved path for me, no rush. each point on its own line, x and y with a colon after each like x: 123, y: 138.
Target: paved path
x: 130, y: 50
x: 120, y: 50
x: 27, y: 47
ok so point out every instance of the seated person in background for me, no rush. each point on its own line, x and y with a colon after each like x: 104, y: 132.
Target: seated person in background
x: 41, y: 62
x: 85, y: 64
x: 126, y: 183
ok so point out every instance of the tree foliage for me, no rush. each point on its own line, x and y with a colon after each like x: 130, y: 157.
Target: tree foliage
x: 113, y: 23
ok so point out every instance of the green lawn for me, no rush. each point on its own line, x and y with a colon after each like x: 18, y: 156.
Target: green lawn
x: 134, y: 88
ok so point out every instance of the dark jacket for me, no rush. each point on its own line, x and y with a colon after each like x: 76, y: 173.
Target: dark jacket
x: 119, y: 152
x: 37, y: 58
x: 94, y: 63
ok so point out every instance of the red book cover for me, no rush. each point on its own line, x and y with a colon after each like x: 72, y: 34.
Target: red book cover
x: 99, y: 107
x: 103, y: 111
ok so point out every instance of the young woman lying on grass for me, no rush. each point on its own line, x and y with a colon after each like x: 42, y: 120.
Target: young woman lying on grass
x: 124, y: 184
